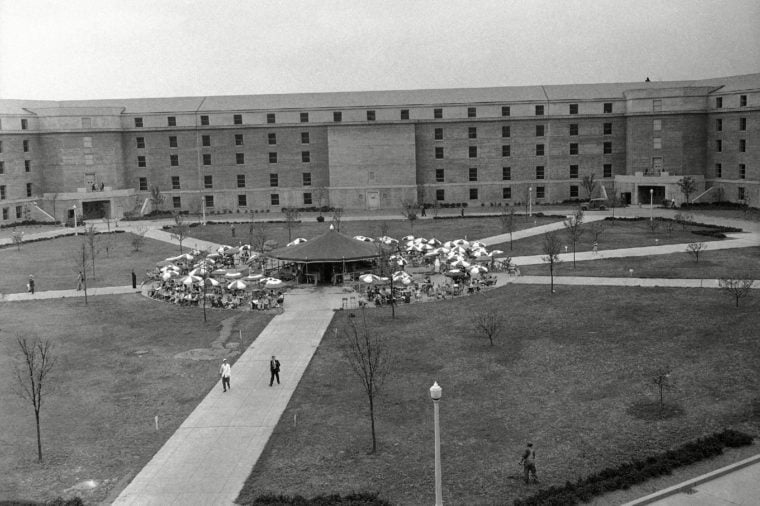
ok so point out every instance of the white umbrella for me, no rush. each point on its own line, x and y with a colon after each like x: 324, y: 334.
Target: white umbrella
x: 495, y: 252
x: 477, y: 269
x: 363, y: 238
x: 461, y: 262
x: 434, y: 242
x: 372, y: 279
x: 190, y: 279
x: 238, y: 284
x: 253, y: 277
x: 183, y: 256
x: 407, y: 238
x: 460, y: 242
x: 199, y: 271
x: 387, y: 240
x: 213, y: 255
x: 169, y: 267
x: 211, y: 282
x: 219, y: 272
x: 233, y: 275
x: 273, y: 283
x: 297, y: 240
x: 169, y: 275
x: 245, y: 247
x: 477, y: 244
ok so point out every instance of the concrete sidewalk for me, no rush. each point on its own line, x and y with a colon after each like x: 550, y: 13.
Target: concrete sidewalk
x: 60, y: 294
x: 605, y: 281
x: 209, y: 457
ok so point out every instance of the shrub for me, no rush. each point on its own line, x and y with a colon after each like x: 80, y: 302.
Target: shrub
x: 352, y: 499
x: 320, y: 219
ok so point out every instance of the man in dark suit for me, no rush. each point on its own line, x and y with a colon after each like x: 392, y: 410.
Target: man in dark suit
x: 274, y: 369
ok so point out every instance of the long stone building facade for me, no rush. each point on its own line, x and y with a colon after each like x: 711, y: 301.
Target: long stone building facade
x: 380, y: 149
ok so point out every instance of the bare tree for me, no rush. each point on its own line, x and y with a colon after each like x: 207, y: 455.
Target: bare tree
x: 18, y: 238
x: 684, y: 219
x: 387, y: 268
x: 39, y: 360
x: 80, y: 263
x: 653, y: 225
x: 370, y: 359
x: 695, y: 249
x: 157, y: 197
x: 291, y: 219
x: 738, y: 288
x: 258, y: 235
x: 180, y: 230
x: 574, y: 230
x: 385, y: 229
x: 597, y: 229
x: 663, y: 382
x: 138, y: 237
x: 552, y: 249
x: 489, y: 323
x: 336, y: 217
x: 90, y: 237
x: 409, y: 211
x: 588, y: 183
x: 669, y: 226
x: 687, y: 185
x: 435, y: 208
x: 507, y: 219
x: 321, y: 194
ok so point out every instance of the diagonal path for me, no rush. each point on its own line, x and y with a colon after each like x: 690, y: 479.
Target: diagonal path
x: 209, y: 457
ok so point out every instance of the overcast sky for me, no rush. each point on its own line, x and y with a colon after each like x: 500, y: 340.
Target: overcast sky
x: 89, y: 49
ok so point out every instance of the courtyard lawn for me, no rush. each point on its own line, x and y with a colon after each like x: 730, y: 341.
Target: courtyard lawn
x: 617, y: 234
x: 572, y: 373
x: 7, y: 232
x: 55, y: 263
x: 116, y: 371
x: 712, y: 264
x: 442, y: 229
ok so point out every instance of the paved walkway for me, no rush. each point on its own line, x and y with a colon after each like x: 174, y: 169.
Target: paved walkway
x: 209, y: 457
x: 603, y: 281
x: 60, y: 294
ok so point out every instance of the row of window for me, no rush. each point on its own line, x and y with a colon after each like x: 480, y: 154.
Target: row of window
x: 239, y: 159
x: 206, y: 140
x: 742, y: 101
x: 19, y: 213
x: 506, y: 150
x: 742, y: 170
x: 506, y: 173
x: 506, y: 131
x: 24, y: 145
x: 742, y: 145
x: 27, y: 166
x: 208, y: 181
x: 242, y: 201
x: 4, y: 195
x: 719, y: 124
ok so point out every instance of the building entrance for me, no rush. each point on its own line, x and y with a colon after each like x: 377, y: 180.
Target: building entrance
x: 96, y: 210
x: 658, y: 195
x: 373, y: 200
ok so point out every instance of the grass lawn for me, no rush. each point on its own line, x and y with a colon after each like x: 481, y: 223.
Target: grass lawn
x: 570, y: 374
x: 7, y: 232
x: 442, y: 229
x: 55, y: 262
x: 712, y: 265
x: 617, y: 234
x: 98, y: 422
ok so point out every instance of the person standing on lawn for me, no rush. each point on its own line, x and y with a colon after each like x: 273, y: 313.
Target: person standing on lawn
x: 225, y: 372
x: 80, y: 279
x: 30, y: 284
x: 528, y: 462
x: 274, y: 369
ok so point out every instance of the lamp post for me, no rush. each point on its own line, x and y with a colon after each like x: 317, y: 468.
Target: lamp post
x: 530, y: 201
x: 74, y: 207
x: 435, y: 394
x: 651, y: 208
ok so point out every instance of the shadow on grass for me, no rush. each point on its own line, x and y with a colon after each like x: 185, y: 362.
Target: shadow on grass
x: 652, y: 410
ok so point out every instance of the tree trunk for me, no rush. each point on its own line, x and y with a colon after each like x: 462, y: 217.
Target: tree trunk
x: 372, y: 422
x: 551, y: 274
x: 39, y: 438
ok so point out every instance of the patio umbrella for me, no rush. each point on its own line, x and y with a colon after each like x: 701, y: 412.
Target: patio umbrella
x: 213, y: 255
x: 183, y: 256
x: 387, y: 240
x: 477, y: 269
x: 169, y: 267
x: 273, y: 283
x: 372, y: 279
x: 231, y: 251
x: 297, y: 240
x: 434, y: 242
x: 165, y: 263
x: 219, y: 272
x: 233, y: 275
x: 224, y: 247
x: 253, y: 277
x: 190, y: 279
x: 460, y: 242
x: 407, y: 238
x: 210, y: 282
x: 460, y: 263
x: 166, y: 276
x: 454, y: 273
x: 199, y: 271
x: 495, y: 252
x: 245, y: 247
x: 238, y: 284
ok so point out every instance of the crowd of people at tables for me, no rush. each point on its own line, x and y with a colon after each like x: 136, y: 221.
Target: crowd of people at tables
x: 415, y: 291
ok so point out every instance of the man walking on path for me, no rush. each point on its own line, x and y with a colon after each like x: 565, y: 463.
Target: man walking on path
x: 30, y: 284
x: 274, y: 369
x: 224, y: 372
x: 528, y: 462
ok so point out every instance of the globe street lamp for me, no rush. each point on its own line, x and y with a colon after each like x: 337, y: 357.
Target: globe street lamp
x: 435, y: 394
x: 651, y: 208
x: 530, y: 201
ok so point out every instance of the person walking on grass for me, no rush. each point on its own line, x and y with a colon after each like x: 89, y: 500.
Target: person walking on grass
x: 274, y: 369
x: 528, y: 461
x: 30, y: 284
x: 225, y: 371
x: 80, y: 279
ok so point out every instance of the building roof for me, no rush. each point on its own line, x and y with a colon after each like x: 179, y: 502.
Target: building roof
x: 332, y: 246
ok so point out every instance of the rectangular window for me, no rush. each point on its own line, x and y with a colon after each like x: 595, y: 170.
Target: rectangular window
x: 472, y: 112
x: 540, y: 129
x: 607, y: 148
x: 742, y: 171
x: 5, y: 212
x: 307, y: 199
x: 274, y: 199
x: 506, y: 192
x: 209, y: 200
x: 473, y: 174
x: 208, y: 182
x: 237, y: 119
x: 140, y: 141
x: 242, y: 201
x: 573, y: 172
x: 270, y: 117
x: 404, y: 113
x: 2, y: 192
x: 540, y: 192
x: 2, y: 167
x: 439, y: 152
x: 506, y: 173
x: 20, y: 210
x: 206, y: 158
x: 472, y: 133
x: 438, y: 134
x: 742, y: 100
x: 473, y: 151
x: 272, y: 138
x: 573, y: 128
x: 573, y: 191
x: 656, y: 125
x: 718, y: 102
x: 506, y: 131
x: 172, y: 141
x: 176, y: 202
x: 740, y: 193
x: 539, y: 110
x: 143, y: 184
x: 656, y: 105
x: 240, y: 158
x: 337, y: 117
x: 305, y: 156
x: 573, y: 148
x: 241, y: 180
x: 25, y: 145
x: 306, y: 179
x: 28, y: 165
x: 25, y: 124
x: 1, y: 146
x: 304, y: 137
x: 171, y: 121
x: 138, y: 122
x: 438, y: 113
x: 473, y: 194
x: 439, y: 176
x: 539, y: 171
x: 573, y: 108
x: 175, y: 183
x: 206, y: 141
x: 505, y: 110
x: 272, y: 157
x: 718, y: 145
x: 141, y: 161
x: 742, y: 145
x: 718, y: 125
x: 204, y: 120
x: 539, y: 150
x: 440, y: 195
x: 742, y: 123
x: 370, y: 115
x: 274, y: 180
x: 238, y: 139
x: 657, y: 143
x: 607, y: 108
x: 28, y: 189
x: 607, y: 128
x: 88, y: 159
x: 718, y: 170
x: 174, y: 160
x: 607, y: 170
x: 304, y: 117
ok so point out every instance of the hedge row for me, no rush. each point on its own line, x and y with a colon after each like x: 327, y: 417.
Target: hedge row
x: 720, y: 228
x: 68, y: 234
x: 29, y: 222
x: 354, y: 499
x: 636, y: 471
